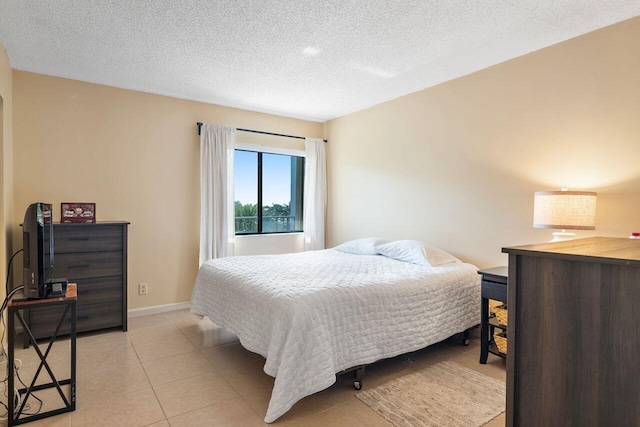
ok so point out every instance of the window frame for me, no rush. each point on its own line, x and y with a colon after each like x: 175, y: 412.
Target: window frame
x: 260, y: 149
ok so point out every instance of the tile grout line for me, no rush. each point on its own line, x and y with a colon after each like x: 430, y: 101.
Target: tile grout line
x: 153, y: 389
x: 201, y: 351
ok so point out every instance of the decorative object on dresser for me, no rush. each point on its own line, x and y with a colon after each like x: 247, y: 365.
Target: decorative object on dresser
x: 47, y: 212
x: 573, y: 333
x: 575, y: 210
x: 494, y: 286
x: 93, y: 255
x: 77, y: 212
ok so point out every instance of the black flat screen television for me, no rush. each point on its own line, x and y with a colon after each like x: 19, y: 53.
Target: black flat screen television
x: 37, y: 245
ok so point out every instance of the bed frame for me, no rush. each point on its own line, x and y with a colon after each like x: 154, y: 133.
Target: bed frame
x: 359, y: 371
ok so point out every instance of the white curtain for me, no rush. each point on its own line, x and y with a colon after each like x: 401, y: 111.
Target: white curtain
x: 217, y: 224
x: 315, y: 194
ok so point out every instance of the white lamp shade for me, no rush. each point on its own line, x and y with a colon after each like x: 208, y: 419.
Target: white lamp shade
x: 565, y: 210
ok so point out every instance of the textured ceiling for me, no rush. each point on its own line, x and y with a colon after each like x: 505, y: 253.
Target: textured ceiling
x: 313, y: 59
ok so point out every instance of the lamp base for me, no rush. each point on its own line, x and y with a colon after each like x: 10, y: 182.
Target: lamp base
x: 560, y: 236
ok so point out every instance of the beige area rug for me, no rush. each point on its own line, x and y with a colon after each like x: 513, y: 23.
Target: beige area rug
x: 444, y: 394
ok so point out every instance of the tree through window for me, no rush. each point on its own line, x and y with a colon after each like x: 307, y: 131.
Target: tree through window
x: 268, y: 192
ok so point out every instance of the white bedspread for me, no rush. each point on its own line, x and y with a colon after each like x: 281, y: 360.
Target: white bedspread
x: 314, y: 314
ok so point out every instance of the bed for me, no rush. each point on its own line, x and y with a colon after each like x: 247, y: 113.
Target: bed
x: 314, y: 314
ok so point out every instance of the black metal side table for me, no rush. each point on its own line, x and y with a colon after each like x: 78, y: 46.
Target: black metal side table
x: 15, y: 307
x: 494, y: 286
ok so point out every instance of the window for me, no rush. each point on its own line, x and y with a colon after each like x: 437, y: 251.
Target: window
x: 268, y: 192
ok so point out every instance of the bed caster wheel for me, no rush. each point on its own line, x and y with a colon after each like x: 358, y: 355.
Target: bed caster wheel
x: 357, y: 385
x: 466, y: 336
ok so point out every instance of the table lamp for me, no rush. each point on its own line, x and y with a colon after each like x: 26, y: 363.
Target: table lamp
x: 574, y: 210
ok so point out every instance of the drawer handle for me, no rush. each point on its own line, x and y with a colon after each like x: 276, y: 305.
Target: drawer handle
x: 78, y: 238
x: 79, y: 318
x: 79, y: 266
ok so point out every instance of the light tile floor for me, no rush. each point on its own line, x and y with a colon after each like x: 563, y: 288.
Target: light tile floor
x: 173, y: 369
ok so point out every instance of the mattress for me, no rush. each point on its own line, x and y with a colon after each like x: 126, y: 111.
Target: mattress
x: 316, y: 313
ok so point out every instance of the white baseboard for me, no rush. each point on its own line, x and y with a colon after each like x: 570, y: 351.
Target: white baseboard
x: 135, y: 312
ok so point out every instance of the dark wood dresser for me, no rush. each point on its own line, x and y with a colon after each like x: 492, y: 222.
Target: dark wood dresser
x: 95, y: 257
x: 574, y: 333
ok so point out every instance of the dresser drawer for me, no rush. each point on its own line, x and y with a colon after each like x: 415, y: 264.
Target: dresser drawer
x: 68, y: 239
x: 99, y: 290
x: 86, y: 265
x: 43, y: 321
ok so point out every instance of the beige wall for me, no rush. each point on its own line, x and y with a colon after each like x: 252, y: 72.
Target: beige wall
x: 135, y: 155
x: 456, y: 165
x: 6, y: 160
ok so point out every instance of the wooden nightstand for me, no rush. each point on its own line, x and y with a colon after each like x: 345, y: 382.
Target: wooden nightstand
x: 494, y: 286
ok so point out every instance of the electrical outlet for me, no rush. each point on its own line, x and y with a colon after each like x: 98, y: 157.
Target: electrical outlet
x: 142, y: 288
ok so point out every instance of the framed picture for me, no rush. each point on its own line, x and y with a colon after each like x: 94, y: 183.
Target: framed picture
x: 77, y: 212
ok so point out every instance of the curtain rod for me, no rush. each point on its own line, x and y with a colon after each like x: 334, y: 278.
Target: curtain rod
x: 259, y: 131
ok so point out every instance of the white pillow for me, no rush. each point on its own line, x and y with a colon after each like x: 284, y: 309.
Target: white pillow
x: 366, y: 246
x: 438, y: 257
x: 405, y: 250
x: 416, y: 252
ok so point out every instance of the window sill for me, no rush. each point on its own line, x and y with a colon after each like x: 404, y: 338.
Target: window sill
x: 293, y: 233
